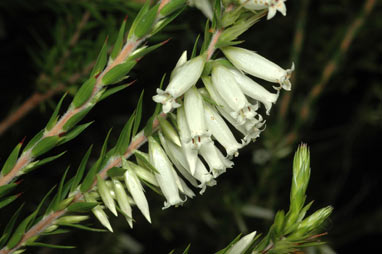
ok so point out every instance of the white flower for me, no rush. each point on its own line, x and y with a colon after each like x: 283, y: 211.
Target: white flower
x: 255, y: 91
x: 258, y: 66
x: 215, y: 159
x: 229, y: 90
x: 184, y: 76
x: 194, y: 110
x: 272, y: 5
x: 221, y: 131
x: 165, y: 176
x: 185, y: 139
x: 177, y: 155
x: 250, y: 131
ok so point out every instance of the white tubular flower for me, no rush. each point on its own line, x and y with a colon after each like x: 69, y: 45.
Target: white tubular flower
x: 225, y: 84
x: 184, y: 77
x: 194, y: 110
x: 203, y: 176
x: 185, y: 138
x: 165, y: 175
x: 221, y: 131
x: 170, y: 148
x: 272, y: 5
x: 215, y: 159
x: 251, y: 130
x: 258, y: 66
x: 255, y: 91
x: 136, y: 190
x: 242, y: 245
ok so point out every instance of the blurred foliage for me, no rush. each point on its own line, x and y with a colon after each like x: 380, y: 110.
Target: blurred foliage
x: 343, y: 129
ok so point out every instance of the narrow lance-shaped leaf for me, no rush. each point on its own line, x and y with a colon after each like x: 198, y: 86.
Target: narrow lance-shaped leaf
x: 124, y: 138
x: 118, y: 72
x: 53, y: 119
x: 19, y: 232
x: 59, y: 191
x: 5, y: 189
x: 47, y: 245
x: 89, y: 178
x: 145, y: 24
x: 164, y: 22
x: 76, y: 118
x: 84, y: 93
x: 118, y: 43
x: 74, y: 133
x: 81, y: 169
x: 82, y: 207
x: 9, y: 227
x: 113, y: 90
x: 172, y: 6
x: 11, y: 161
x: 36, y: 164
x: 138, y: 115
x: 44, y: 145
x: 101, y: 60
x: 141, y: 13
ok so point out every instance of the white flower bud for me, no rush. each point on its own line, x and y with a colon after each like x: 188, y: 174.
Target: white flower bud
x: 221, y: 131
x: 194, y: 110
x: 123, y: 201
x: 165, y: 176
x: 136, y: 190
x: 242, y: 245
x: 258, y: 66
x: 272, y: 5
x: 255, y: 91
x: 106, y: 197
x: 184, y: 77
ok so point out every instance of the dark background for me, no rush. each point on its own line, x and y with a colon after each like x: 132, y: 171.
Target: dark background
x: 343, y: 128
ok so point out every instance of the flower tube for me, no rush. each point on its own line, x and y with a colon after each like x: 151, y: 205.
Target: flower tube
x: 258, y: 66
x: 184, y: 76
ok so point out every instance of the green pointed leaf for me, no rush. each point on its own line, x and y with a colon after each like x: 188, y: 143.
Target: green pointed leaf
x: 19, y: 232
x: 118, y: 72
x: 84, y: 93
x: 11, y: 161
x: 44, y: 145
x: 6, y: 201
x: 76, y: 118
x: 113, y: 90
x: 59, y: 194
x: 172, y: 6
x: 187, y: 249
x: 47, y: 245
x: 195, y: 48
x: 9, y: 227
x: 143, y: 161
x: 141, y: 13
x: 74, y: 133
x: 144, y: 51
x: 116, y: 172
x: 34, y: 214
x: 90, y: 177
x: 82, y: 207
x: 138, y: 115
x: 5, y: 189
x: 53, y: 119
x: 207, y: 37
x: 166, y: 21
x: 39, y: 163
x: 56, y: 232
x: 84, y: 227
x: 145, y: 24
x: 101, y: 60
x: 124, y: 138
x: 34, y: 140
x: 81, y: 169
x: 118, y: 43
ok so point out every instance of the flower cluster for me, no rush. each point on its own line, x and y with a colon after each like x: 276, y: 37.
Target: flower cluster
x: 272, y: 5
x: 192, y: 139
